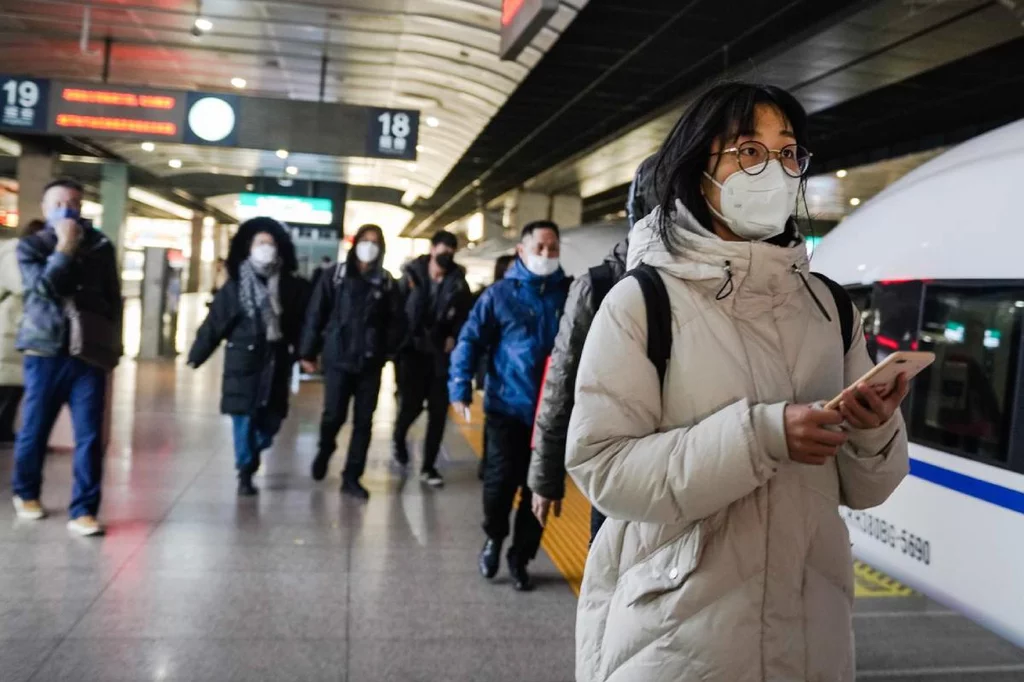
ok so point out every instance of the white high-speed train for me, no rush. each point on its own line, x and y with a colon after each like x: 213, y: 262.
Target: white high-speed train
x: 936, y: 262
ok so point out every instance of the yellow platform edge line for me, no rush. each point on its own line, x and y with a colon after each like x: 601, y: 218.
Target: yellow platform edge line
x: 566, y: 538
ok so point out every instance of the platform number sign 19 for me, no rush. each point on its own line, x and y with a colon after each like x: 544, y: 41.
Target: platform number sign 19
x: 393, y: 133
x: 24, y: 103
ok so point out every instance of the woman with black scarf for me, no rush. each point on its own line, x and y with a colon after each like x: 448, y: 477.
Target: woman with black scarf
x: 259, y: 312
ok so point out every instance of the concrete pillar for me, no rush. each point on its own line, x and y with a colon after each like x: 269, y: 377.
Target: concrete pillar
x: 196, y: 259
x: 35, y: 169
x: 114, y: 199
x: 154, y: 301
x: 528, y: 207
x: 567, y: 210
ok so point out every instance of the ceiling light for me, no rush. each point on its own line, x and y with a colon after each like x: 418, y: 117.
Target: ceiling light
x: 1019, y: 304
x: 420, y: 148
x: 855, y: 202
x: 203, y: 24
x: 148, y: 147
x: 433, y: 122
x: 249, y: 187
x: 174, y: 163
x: 405, y: 182
x: 282, y: 153
x: 413, y: 167
x: 841, y: 173
x: 292, y: 170
x: 238, y: 82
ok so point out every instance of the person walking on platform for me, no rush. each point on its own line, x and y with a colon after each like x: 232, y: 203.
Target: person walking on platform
x: 437, y: 301
x: 501, y: 266
x: 698, y: 427
x: 356, y: 320
x: 71, y: 336
x: 12, y: 371
x: 259, y: 312
x: 515, y: 321
x: 547, y: 465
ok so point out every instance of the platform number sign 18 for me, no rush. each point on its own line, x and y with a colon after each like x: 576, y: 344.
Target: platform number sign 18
x: 393, y: 133
x: 24, y: 102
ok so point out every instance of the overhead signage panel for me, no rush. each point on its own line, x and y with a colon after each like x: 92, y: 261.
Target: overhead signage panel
x: 289, y: 209
x: 521, y: 21
x: 393, y: 133
x: 102, y: 110
x: 25, y: 102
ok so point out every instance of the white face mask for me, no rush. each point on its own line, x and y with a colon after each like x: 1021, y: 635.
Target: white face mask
x: 367, y: 251
x: 756, y: 207
x: 541, y: 266
x: 263, y: 254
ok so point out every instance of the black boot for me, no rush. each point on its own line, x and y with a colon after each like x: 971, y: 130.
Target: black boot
x: 354, y: 489
x: 400, y: 453
x: 490, y: 558
x: 245, y: 486
x: 319, y: 468
x: 517, y: 569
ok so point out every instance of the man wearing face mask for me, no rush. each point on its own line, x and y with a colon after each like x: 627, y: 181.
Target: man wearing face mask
x: 71, y: 337
x: 437, y: 301
x: 356, y: 322
x: 515, y: 321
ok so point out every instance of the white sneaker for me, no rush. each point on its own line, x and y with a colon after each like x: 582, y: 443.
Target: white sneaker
x: 85, y: 526
x: 29, y: 510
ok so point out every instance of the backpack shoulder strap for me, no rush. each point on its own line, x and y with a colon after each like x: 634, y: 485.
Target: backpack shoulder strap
x: 601, y: 281
x: 659, y: 317
x: 844, y: 304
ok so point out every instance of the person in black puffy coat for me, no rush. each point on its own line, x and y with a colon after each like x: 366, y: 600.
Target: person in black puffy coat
x: 259, y: 312
x: 357, y: 323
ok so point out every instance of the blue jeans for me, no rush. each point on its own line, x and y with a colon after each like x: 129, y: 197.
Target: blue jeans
x: 253, y: 434
x: 50, y: 383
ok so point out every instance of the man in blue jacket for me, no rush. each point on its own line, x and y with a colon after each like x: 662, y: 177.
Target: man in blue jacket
x: 515, y: 322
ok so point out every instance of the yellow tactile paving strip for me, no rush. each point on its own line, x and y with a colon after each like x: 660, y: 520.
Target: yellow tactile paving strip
x: 566, y: 538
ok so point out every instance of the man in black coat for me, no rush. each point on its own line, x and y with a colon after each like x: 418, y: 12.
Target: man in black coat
x: 259, y: 311
x: 356, y: 320
x: 71, y: 336
x: 437, y: 302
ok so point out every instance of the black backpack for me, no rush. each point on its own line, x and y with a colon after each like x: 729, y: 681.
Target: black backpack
x: 659, y: 314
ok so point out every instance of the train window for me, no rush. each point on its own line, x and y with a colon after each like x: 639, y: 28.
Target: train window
x: 963, y: 402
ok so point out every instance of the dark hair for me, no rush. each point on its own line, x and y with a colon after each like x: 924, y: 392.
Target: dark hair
x: 724, y: 112
x: 529, y: 228
x: 66, y: 183
x: 241, y: 244
x: 446, y: 238
x: 351, y: 260
x: 30, y: 228
x: 502, y: 265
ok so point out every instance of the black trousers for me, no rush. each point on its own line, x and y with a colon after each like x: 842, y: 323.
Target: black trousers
x: 505, y: 470
x: 340, y: 388
x: 10, y: 399
x: 422, y: 379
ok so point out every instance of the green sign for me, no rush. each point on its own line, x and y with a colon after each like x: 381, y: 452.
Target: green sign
x: 955, y: 332
x: 300, y: 210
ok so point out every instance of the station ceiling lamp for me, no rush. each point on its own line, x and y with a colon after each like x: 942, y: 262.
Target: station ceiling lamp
x: 282, y: 154
x: 203, y: 24
x: 238, y: 82
x: 148, y: 147
x: 433, y: 121
x: 855, y: 202
x: 841, y: 173
x: 174, y: 163
x: 292, y: 170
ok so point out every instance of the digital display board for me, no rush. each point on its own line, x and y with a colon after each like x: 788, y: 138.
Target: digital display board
x: 101, y: 110
x: 521, y: 21
x: 289, y: 209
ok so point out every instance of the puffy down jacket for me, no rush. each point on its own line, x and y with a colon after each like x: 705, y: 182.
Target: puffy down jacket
x: 515, y: 321
x: 722, y: 560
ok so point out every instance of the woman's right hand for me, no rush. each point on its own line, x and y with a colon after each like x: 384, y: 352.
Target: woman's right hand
x: 807, y: 437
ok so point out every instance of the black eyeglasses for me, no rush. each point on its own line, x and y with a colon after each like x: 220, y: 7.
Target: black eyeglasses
x: 753, y: 157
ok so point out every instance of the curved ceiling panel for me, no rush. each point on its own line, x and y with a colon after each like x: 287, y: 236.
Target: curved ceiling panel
x: 438, y: 56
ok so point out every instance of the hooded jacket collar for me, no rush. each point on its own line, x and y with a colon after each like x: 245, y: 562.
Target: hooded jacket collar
x: 756, y: 268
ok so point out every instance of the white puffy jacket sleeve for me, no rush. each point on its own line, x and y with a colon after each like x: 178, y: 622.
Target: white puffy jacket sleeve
x: 873, y: 462
x: 623, y: 464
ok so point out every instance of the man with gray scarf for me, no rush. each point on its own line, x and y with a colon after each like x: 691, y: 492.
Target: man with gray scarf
x: 259, y: 312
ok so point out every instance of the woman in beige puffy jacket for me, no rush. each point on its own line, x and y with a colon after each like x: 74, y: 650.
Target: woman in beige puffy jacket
x: 724, y: 558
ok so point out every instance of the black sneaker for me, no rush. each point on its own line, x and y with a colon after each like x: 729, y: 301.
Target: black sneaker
x: 319, y: 469
x: 400, y: 453
x: 432, y: 478
x: 520, y: 576
x: 490, y: 558
x: 246, y: 488
x: 354, y: 489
